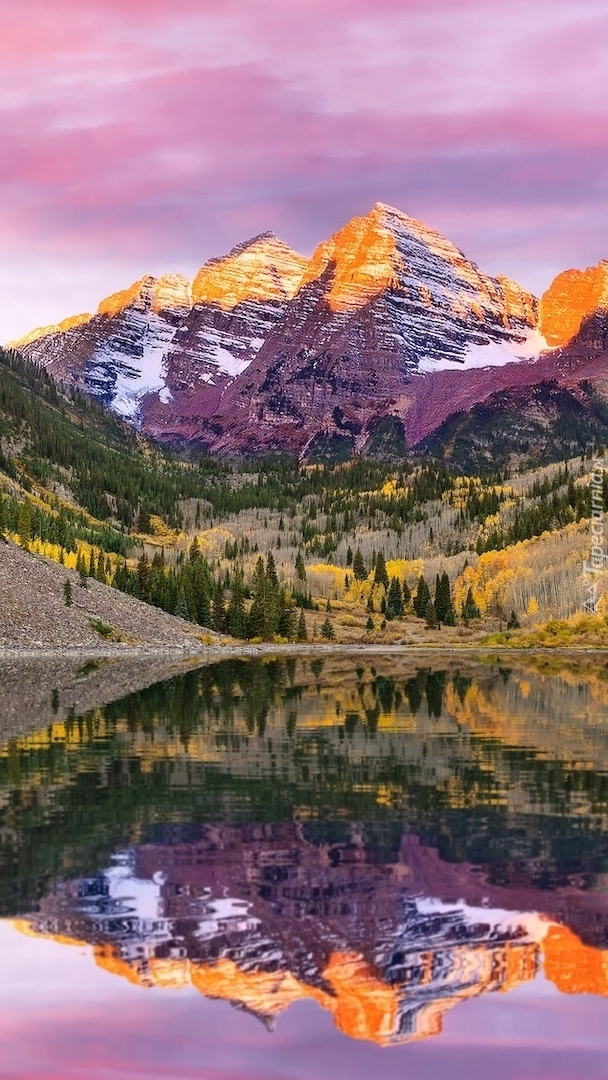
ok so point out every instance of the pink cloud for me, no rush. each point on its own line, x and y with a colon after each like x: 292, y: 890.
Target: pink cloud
x: 150, y: 135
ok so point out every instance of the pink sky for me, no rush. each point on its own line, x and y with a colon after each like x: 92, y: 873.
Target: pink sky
x: 149, y: 135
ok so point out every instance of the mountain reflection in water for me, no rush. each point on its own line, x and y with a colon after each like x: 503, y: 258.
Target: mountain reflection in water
x: 386, y: 841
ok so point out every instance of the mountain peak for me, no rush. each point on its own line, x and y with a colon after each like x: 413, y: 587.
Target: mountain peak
x: 46, y: 331
x: 364, y: 257
x: 572, y: 298
x: 263, y: 269
x: 170, y: 292
x: 385, y: 249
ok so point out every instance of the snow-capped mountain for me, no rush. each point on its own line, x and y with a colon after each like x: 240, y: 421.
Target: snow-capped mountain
x: 387, y: 324
x: 166, y: 347
x: 383, y: 303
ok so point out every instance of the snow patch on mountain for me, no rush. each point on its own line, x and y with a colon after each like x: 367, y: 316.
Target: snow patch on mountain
x: 488, y: 354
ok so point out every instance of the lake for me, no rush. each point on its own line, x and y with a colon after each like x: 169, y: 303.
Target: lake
x: 296, y: 867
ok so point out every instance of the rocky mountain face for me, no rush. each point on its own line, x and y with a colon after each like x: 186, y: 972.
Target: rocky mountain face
x: 386, y: 332
x: 161, y: 352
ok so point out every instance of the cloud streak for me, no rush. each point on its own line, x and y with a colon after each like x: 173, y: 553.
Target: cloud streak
x: 138, y: 136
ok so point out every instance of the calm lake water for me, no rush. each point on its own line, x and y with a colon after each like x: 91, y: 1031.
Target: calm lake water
x: 298, y: 868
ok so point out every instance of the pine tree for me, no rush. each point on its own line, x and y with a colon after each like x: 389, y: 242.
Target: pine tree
x: 302, y: 631
x: 67, y: 592
x: 24, y: 527
x: 263, y: 614
x: 81, y: 566
x: 469, y: 608
x: 300, y: 567
x: 422, y: 598
x: 431, y: 616
x: 219, y: 609
x: 359, y: 571
x: 327, y: 630
x: 443, y: 597
x: 100, y: 573
x: 195, y: 550
x: 271, y: 570
x: 236, y: 616
x: 370, y: 623
x: 513, y: 623
x: 144, y: 574
x: 92, y: 563
x: 181, y: 605
x: 349, y: 556
x: 144, y: 523
x: 380, y: 571
x: 286, y: 620
x: 394, y: 600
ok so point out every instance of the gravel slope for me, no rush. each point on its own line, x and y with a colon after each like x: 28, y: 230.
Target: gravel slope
x: 33, y: 613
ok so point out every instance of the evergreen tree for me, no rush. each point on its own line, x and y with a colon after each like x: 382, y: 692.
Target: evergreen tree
x: 443, y: 597
x: 380, y: 571
x: 263, y: 614
x: 513, y: 622
x: 422, y: 598
x: 83, y: 577
x: 431, y: 616
x: 370, y: 623
x: 286, y: 621
x: 67, y: 592
x: 349, y: 556
x: 469, y: 608
x: 144, y: 574
x: 144, y: 523
x: 25, y: 524
x: 359, y: 571
x: 394, y: 600
x: 327, y: 630
x: 271, y: 570
x: 219, y: 609
x: 195, y: 550
x: 236, y: 618
x: 300, y: 567
x: 100, y: 572
x: 181, y: 605
x: 406, y: 594
x: 302, y: 631
x: 92, y: 563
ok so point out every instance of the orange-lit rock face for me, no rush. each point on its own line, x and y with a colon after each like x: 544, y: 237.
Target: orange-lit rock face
x: 570, y: 299
x: 261, y: 270
x: 573, y: 967
x: 365, y: 257
x: 387, y: 249
x: 171, y: 292
x: 46, y: 331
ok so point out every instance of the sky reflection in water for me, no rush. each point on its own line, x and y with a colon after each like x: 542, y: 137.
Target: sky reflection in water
x: 382, y: 867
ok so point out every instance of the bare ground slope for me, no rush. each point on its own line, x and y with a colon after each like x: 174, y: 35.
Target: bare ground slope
x: 33, y: 612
